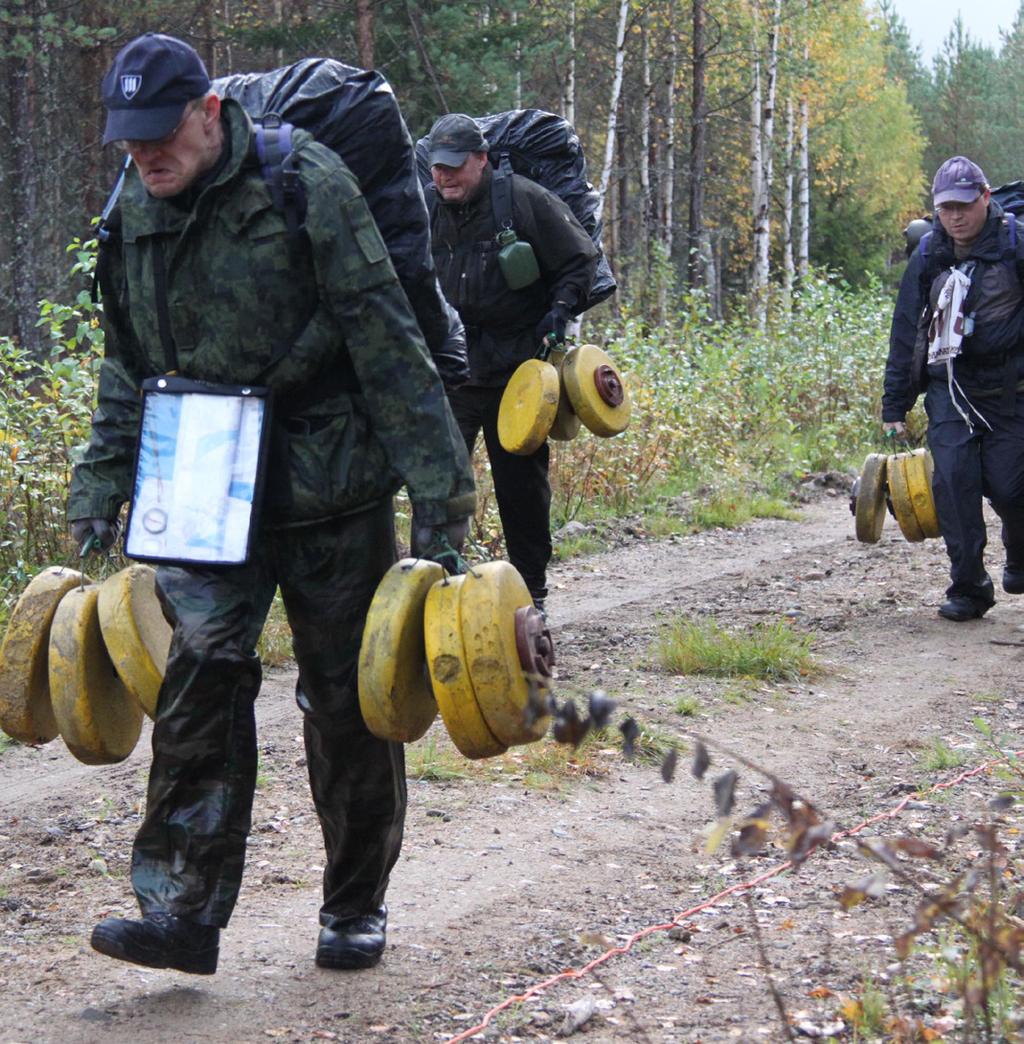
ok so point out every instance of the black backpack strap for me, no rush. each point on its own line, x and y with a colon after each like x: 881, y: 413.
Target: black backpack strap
x: 163, y: 313
x: 501, y: 193
x: 108, y: 230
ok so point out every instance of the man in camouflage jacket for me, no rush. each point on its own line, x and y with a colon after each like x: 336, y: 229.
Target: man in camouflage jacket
x: 202, y: 277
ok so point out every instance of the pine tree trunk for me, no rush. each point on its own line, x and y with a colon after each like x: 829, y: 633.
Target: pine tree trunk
x: 364, y: 33
x: 22, y: 209
x: 569, y: 93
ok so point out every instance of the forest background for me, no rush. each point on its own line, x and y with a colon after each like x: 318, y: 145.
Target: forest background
x: 756, y: 159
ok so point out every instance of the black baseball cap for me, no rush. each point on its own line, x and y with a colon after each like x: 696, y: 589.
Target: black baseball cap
x: 147, y: 87
x: 453, y: 138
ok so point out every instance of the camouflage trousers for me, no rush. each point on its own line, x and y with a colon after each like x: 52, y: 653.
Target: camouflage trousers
x: 189, y: 852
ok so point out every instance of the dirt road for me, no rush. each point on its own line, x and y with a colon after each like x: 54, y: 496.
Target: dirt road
x: 504, y: 883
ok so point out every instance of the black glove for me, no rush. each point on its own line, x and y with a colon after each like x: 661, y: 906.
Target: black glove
x: 551, y: 329
x: 438, y: 542
x: 103, y: 529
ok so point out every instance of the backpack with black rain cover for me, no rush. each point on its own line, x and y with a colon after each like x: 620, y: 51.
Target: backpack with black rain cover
x: 544, y: 148
x: 354, y: 112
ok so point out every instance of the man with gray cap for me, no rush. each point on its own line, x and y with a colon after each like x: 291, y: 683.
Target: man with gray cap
x: 958, y: 335
x: 505, y: 324
x: 200, y: 276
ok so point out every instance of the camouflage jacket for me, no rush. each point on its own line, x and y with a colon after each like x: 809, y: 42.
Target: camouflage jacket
x: 320, y: 319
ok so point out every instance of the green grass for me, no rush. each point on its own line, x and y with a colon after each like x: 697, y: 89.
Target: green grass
x: 768, y: 651
x: 728, y: 511
x: 275, y: 643
x: 659, y: 524
x: 869, y: 1013
x: 939, y: 757
x: 575, y: 546
x: 431, y: 762
x: 688, y: 706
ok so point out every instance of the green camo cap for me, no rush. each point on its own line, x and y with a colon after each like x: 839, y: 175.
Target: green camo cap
x: 453, y: 138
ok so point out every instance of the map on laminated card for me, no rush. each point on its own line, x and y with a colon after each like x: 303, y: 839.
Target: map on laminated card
x: 195, y: 480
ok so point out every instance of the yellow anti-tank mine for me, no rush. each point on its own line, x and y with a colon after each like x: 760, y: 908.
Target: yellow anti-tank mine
x: 135, y: 631
x: 528, y: 407
x: 26, y: 712
x: 596, y: 391
x: 869, y: 509
x: 449, y: 672
x: 917, y: 468
x: 98, y: 718
x: 395, y: 696
x: 509, y: 652
x: 902, y: 502
x: 566, y: 425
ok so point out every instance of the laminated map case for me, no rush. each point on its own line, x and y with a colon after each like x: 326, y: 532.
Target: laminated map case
x: 199, y: 472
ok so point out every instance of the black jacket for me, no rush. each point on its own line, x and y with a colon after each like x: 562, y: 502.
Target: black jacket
x: 995, y: 302
x: 501, y: 323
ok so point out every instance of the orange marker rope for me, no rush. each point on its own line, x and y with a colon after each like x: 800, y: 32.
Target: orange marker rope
x: 578, y: 973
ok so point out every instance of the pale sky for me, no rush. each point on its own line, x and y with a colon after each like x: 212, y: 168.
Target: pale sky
x: 930, y: 21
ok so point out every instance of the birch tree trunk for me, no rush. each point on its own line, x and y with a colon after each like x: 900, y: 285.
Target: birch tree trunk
x: 644, y: 252
x: 613, y: 106
x: 803, y: 172
x: 518, y: 59
x: 762, y: 136
x: 789, y: 268
x: 669, y: 180
x: 698, y: 150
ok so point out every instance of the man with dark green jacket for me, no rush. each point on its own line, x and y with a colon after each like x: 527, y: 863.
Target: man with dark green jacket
x: 201, y: 277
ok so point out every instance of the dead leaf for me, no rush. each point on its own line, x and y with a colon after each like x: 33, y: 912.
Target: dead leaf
x: 630, y: 731
x: 668, y: 765
x: 601, y: 708
x: 821, y: 992
x: 725, y: 792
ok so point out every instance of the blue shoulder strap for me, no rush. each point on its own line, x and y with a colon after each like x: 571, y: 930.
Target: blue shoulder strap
x: 279, y: 168
x: 922, y: 246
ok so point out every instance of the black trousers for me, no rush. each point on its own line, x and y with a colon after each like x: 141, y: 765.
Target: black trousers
x: 521, y: 485
x: 969, y: 466
x: 189, y: 851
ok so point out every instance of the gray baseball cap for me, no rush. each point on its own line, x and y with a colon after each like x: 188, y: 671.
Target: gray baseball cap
x: 958, y: 180
x: 453, y: 138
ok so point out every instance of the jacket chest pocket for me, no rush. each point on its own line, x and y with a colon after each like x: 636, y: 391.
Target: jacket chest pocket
x: 480, y: 283
x: 257, y: 288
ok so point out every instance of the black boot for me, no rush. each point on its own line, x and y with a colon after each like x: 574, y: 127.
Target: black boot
x: 159, y: 940
x: 961, y: 607
x: 352, y: 942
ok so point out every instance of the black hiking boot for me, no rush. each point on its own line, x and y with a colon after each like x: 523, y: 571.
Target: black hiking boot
x: 159, y: 940
x: 1013, y: 580
x: 960, y: 608
x: 352, y: 942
